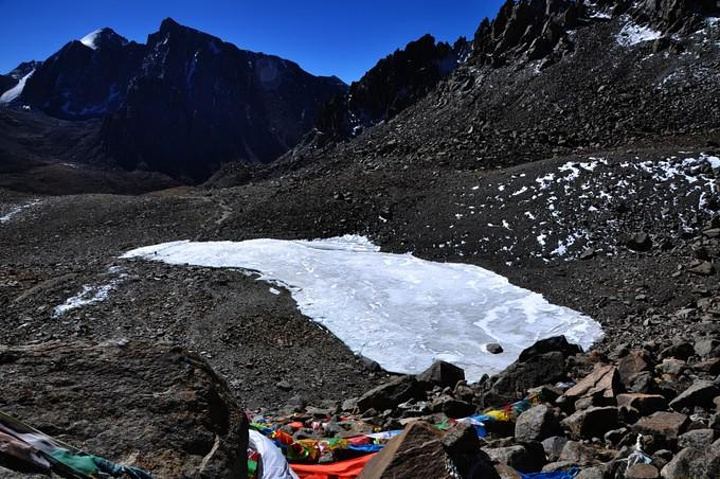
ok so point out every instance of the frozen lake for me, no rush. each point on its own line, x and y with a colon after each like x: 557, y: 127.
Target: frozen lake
x: 401, y: 311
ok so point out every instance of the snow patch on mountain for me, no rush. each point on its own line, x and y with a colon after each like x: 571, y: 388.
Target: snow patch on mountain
x: 401, y: 311
x: 90, y: 40
x: 633, y: 34
x: 13, y: 93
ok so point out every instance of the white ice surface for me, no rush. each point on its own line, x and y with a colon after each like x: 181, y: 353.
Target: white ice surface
x: 15, y: 91
x: 399, y: 310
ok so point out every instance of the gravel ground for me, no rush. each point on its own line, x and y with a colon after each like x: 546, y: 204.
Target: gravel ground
x: 259, y: 341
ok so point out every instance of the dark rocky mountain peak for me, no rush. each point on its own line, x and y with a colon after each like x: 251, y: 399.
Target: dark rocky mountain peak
x: 675, y: 16
x: 24, y: 69
x: 10, y: 80
x: 533, y: 28
x: 86, y: 78
x: 393, y: 84
x: 198, y: 101
x: 539, y: 29
x: 104, y: 38
x: 183, y: 103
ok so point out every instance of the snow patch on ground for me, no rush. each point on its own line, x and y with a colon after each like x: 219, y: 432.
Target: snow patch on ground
x: 397, y: 309
x: 15, y: 210
x: 632, y: 34
x: 91, y: 294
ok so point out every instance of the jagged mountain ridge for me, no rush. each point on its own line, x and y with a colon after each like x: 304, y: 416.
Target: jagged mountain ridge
x: 394, y: 83
x: 199, y: 97
x: 606, y: 77
x: 181, y: 104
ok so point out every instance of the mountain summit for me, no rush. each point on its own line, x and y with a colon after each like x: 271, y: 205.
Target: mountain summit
x: 182, y: 103
x: 103, y: 38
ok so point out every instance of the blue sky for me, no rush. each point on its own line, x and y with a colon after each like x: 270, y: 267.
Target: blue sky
x: 329, y: 37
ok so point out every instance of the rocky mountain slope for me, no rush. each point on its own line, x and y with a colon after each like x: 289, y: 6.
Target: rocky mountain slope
x: 180, y: 104
x: 610, y: 79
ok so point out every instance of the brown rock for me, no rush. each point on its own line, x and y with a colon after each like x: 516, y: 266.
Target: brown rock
x: 592, y: 422
x: 417, y: 452
x: 632, y: 364
x: 642, y: 471
x: 710, y: 366
x: 577, y: 452
x: 645, y: 403
x: 604, y: 382
x: 662, y: 425
x: 149, y: 405
x: 506, y: 472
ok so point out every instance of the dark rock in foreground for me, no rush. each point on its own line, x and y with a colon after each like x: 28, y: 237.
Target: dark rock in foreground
x: 152, y: 406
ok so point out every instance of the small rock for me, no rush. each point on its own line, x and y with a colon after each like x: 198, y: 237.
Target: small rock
x: 526, y: 458
x: 632, y: 364
x: 390, y: 394
x: 494, y: 348
x: 679, y: 350
x: 417, y: 452
x: 642, y: 471
x: 707, y: 347
x: 672, y: 366
x: 603, y: 382
x: 692, y: 463
x: 588, y: 253
x: 646, y: 404
x: 595, y: 472
x: 701, y: 394
x: 453, y: 408
x: 592, y: 422
x: 705, y: 268
x: 544, y: 346
x: 700, y: 438
x: 662, y: 425
x: 284, y: 385
x: 577, y: 452
x: 639, y: 241
x: 442, y: 374
x: 536, y: 424
x: 461, y: 444
x: 553, y: 447
x: 523, y: 375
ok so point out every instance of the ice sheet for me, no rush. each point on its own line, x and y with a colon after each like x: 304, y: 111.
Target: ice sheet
x: 401, y: 311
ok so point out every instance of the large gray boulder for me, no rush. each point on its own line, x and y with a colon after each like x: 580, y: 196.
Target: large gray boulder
x: 536, y: 424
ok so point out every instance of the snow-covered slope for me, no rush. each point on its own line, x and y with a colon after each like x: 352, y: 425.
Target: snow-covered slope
x: 15, y: 91
x: 399, y: 310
